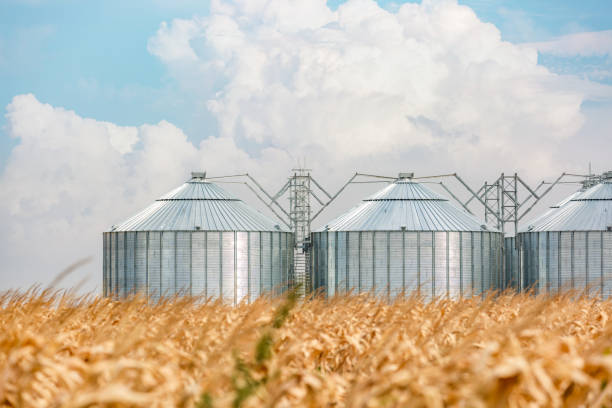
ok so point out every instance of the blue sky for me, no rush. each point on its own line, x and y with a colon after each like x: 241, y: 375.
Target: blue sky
x: 91, y: 56
x: 429, y: 90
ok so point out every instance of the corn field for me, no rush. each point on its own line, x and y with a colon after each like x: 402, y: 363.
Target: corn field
x: 60, y: 350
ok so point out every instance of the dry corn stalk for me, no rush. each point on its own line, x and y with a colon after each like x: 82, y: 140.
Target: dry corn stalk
x: 57, y: 350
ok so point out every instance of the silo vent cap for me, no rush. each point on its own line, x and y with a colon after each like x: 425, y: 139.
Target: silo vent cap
x: 198, y: 174
x: 406, y: 175
x: 530, y: 228
x: 484, y: 227
x: 197, y: 227
x: 277, y: 227
x: 609, y: 228
x: 403, y: 228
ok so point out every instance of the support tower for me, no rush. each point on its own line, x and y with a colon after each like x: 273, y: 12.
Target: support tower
x: 300, y: 217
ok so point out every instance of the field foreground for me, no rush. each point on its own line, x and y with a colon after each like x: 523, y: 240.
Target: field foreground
x: 356, y: 351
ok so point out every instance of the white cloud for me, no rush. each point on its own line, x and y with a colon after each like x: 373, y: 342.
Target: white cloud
x: 71, y: 178
x: 426, y: 88
x: 585, y: 44
x: 363, y: 80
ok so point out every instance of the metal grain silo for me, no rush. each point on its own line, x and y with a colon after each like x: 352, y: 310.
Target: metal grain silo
x: 406, y: 238
x: 570, y: 247
x: 198, y: 240
x: 511, y: 251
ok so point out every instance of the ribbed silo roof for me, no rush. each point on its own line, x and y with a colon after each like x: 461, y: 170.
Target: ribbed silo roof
x: 590, y: 210
x: 199, y: 204
x: 406, y: 205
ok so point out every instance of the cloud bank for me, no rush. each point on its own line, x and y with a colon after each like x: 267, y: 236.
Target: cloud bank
x: 427, y: 87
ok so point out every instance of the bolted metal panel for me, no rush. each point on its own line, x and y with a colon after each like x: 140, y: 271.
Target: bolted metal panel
x: 410, y: 261
x: 105, y: 263
x: 353, y: 260
x: 183, y: 263
x: 439, y: 264
x: 228, y: 272
x: 467, y: 266
x: 406, y: 238
x: 154, y: 264
x: 130, y: 263
x: 283, y: 262
x: 254, y: 265
x: 198, y: 263
x: 242, y: 266
x: 557, y: 261
x: 396, y: 263
x: 341, y: 261
x: 552, y: 256
x: 607, y: 264
x: 565, y: 280
x: 266, y: 265
x: 213, y: 264
x: 486, y: 262
x: 121, y: 283
x: 426, y: 264
x: 168, y: 263
x: 140, y: 263
x: 477, y: 263
x: 330, y: 278
x: 322, y: 263
x: 580, y: 261
x: 276, y: 267
x: 454, y: 264
x: 366, y: 262
x: 593, y: 258
x: 381, y: 263
x: 542, y: 264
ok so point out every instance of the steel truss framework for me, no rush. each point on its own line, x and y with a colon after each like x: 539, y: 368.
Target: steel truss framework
x: 507, y: 200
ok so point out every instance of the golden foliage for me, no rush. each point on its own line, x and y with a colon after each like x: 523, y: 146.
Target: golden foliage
x: 511, y: 350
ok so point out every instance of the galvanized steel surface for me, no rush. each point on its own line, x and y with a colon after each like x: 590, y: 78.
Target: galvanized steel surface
x: 198, y: 240
x: 511, y: 256
x: 552, y: 261
x: 393, y: 262
x: 235, y: 266
x: 199, y: 205
x: 570, y: 247
x: 409, y: 206
x: 590, y: 210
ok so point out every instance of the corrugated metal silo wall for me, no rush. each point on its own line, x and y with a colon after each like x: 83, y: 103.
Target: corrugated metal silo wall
x: 511, y: 272
x: 392, y: 262
x: 234, y: 265
x: 554, y: 261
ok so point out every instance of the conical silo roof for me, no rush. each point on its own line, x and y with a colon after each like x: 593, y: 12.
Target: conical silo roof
x: 590, y: 210
x: 409, y: 206
x: 199, y: 205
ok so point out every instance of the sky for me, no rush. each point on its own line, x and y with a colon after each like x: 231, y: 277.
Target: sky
x: 107, y: 105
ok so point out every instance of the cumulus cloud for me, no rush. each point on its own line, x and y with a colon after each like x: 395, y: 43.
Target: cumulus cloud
x: 363, y: 81
x: 425, y: 87
x: 585, y: 44
x: 70, y: 178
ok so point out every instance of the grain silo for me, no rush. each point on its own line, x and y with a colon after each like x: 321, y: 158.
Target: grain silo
x: 571, y: 247
x: 198, y: 240
x: 511, y: 251
x: 406, y: 238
